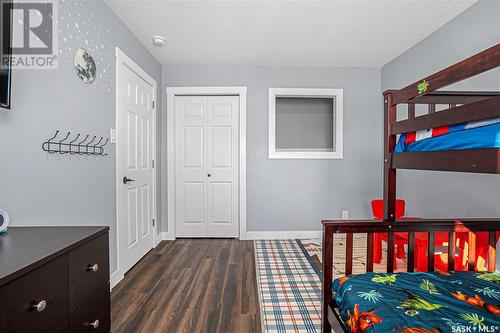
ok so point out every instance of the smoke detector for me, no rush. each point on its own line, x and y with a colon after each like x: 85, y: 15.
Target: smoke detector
x: 159, y: 40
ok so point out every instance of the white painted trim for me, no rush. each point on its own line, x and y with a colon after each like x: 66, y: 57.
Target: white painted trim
x: 164, y: 236
x: 160, y: 237
x: 204, y: 91
x: 283, y: 234
x: 115, y: 278
x: 135, y: 67
x: 168, y: 235
x: 243, y: 165
x: 338, y: 123
x: 122, y: 58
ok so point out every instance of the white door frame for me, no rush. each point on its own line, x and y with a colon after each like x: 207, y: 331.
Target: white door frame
x: 122, y: 58
x: 241, y: 92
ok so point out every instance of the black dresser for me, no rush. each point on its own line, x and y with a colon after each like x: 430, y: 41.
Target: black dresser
x: 54, y: 279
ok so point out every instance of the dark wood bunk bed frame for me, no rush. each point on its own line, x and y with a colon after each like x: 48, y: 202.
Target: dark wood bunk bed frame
x: 473, y: 106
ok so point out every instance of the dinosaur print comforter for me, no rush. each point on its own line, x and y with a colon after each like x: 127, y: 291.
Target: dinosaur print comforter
x: 420, y: 302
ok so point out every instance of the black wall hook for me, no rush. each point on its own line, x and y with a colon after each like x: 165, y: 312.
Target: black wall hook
x: 61, y: 142
x: 90, y: 148
x: 72, y: 145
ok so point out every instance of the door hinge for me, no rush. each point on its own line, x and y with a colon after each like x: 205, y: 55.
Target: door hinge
x: 153, y: 163
x: 153, y: 222
x: 153, y: 102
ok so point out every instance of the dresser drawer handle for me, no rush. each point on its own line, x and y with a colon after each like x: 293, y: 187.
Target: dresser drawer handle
x: 94, y: 324
x: 93, y: 268
x: 40, y: 306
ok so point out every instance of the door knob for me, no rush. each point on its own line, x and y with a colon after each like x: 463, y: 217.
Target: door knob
x: 126, y: 180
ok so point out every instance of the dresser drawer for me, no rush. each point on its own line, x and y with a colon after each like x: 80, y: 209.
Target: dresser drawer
x: 88, y: 270
x: 46, y: 285
x: 94, y: 315
x: 62, y: 327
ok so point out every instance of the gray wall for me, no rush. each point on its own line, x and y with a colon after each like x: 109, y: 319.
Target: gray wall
x: 37, y: 189
x: 297, y: 194
x: 440, y: 194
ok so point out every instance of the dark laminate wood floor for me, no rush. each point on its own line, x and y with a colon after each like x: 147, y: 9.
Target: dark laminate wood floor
x: 200, y: 285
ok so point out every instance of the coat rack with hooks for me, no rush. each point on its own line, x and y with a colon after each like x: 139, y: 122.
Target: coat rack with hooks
x: 94, y: 147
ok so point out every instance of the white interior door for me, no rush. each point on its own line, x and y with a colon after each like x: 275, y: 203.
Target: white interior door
x: 135, y: 136
x: 206, y: 168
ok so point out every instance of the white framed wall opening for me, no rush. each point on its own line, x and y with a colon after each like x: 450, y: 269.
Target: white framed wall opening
x: 305, y: 123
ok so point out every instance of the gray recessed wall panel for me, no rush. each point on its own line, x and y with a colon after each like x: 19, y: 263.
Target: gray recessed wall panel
x: 304, y: 124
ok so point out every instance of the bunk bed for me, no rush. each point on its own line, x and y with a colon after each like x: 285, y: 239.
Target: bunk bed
x: 407, y: 311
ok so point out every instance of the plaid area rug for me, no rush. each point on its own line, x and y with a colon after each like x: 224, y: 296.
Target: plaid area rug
x: 289, y: 288
x: 289, y: 280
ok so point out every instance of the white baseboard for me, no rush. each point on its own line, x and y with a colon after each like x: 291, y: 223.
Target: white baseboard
x: 160, y: 237
x: 115, y: 278
x: 168, y: 235
x: 164, y: 235
x: 253, y: 235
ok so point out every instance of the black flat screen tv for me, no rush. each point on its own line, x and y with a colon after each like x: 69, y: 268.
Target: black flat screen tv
x: 5, y: 54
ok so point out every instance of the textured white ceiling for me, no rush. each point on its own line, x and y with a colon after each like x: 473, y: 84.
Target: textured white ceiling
x: 284, y: 33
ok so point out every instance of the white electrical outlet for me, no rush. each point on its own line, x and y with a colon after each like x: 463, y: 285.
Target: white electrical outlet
x: 345, y: 215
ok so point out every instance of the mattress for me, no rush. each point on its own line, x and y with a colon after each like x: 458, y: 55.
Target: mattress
x: 420, y: 302
x: 485, y: 134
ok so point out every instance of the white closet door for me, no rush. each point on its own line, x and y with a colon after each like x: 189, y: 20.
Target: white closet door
x: 222, y: 166
x: 206, y: 168
x: 190, y: 170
